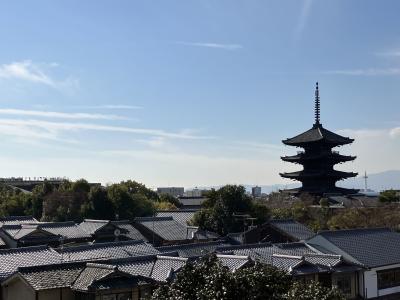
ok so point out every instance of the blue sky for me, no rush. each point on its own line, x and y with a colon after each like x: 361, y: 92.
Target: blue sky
x: 193, y: 93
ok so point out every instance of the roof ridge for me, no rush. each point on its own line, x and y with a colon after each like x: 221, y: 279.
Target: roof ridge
x: 23, y: 249
x: 233, y: 256
x: 172, y: 257
x: 101, y: 245
x: 356, y: 229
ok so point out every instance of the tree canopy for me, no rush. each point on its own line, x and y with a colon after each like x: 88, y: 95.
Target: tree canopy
x: 207, y: 278
x: 221, y: 209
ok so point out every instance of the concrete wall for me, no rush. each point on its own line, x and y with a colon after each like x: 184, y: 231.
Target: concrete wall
x: 17, y: 289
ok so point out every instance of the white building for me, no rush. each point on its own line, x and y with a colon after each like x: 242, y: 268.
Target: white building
x: 173, y: 191
x: 376, y: 249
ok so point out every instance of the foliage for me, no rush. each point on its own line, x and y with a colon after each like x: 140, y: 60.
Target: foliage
x: 164, y: 205
x: 220, y: 211
x: 171, y: 199
x: 208, y: 279
x: 384, y: 216
x: 389, y: 196
x: 311, y: 291
x: 260, y: 280
x: 78, y: 200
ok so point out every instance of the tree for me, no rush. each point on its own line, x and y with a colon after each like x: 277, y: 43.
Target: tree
x: 171, y: 199
x: 98, y: 205
x: 262, y: 281
x: 164, y: 205
x: 220, y: 210
x: 311, y: 291
x: 389, y: 196
x: 208, y: 279
x: 204, y: 279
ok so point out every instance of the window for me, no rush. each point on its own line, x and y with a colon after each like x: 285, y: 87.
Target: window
x: 343, y: 283
x: 388, y: 278
x: 119, y: 296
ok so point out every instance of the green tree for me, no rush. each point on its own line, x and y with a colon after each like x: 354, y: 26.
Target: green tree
x: 389, y: 196
x: 220, y: 211
x: 311, y: 291
x: 171, y: 199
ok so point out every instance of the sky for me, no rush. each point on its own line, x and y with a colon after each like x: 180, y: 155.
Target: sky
x: 193, y: 93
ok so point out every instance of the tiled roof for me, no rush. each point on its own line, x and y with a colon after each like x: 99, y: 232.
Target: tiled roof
x: 370, y: 247
x: 165, y: 227
x: 107, y: 251
x: 194, y: 249
x: 292, y: 228
x: 192, y: 201
x: 165, y: 266
x: 92, y: 226
x: 263, y: 252
x: 129, y: 231
x: 318, y: 133
x: 68, y: 230
x: 182, y: 216
x: 51, y: 276
x: 2, y: 243
x: 91, y: 273
x: 233, y: 262
x: 12, y: 259
x: 17, y: 220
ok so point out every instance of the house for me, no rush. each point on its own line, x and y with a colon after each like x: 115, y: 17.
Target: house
x: 194, y: 249
x: 124, y: 278
x: 108, y: 231
x: 12, y: 259
x: 376, y: 249
x: 103, y: 251
x: 303, y: 262
x: 194, y: 203
x: 274, y: 231
x: 38, y: 233
x: 13, y: 220
x: 167, y: 231
x: 182, y: 216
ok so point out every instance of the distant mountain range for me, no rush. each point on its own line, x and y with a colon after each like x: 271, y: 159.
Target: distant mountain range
x: 377, y: 182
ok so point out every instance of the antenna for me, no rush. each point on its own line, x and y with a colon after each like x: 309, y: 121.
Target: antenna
x: 365, y: 180
x: 317, y: 105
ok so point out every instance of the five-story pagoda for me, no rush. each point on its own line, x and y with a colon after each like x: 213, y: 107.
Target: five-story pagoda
x: 318, y: 176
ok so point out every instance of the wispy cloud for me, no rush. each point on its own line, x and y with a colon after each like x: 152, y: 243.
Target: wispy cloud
x: 110, y: 106
x: 367, y: 72
x: 302, y: 21
x: 391, y: 53
x: 61, y: 115
x: 229, y: 47
x: 57, y: 127
x: 28, y: 71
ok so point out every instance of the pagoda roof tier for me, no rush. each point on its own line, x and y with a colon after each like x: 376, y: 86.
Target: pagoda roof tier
x: 333, y: 156
x: 299, y: 175
x: 335, y: 190
x: 318, y: 134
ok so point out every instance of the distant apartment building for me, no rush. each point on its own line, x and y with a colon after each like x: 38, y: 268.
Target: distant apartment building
x: 173, y: 191
x: 194, y: 193
x: 256, y: 191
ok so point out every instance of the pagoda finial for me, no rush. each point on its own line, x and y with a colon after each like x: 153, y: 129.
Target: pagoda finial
x: 317, y: 105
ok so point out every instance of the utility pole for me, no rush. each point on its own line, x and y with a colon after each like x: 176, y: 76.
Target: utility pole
x: 365, y: 181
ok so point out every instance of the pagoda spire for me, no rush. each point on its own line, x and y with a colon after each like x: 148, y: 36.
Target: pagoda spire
x: 317, y: 105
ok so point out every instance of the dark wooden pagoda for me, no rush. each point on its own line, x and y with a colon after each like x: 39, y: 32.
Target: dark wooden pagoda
x: 318, y: 176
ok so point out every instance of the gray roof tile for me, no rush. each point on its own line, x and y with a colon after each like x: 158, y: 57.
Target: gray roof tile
x: 194, y: 249
x: 165, y: 227
x: 101, y: 251
x: 367, y: 246
x: 12, y: 259
x: 292, y: 228
x: 181, y: 216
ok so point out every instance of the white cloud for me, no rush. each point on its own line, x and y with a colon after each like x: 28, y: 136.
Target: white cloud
x: 110, y: 106
x: 28, y: 71
x: 212, y: 45
x: 57, y: 127
x: 62, y: 115
x: 302, y: 21
x: 394, y: 53
x: 367, y: 72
